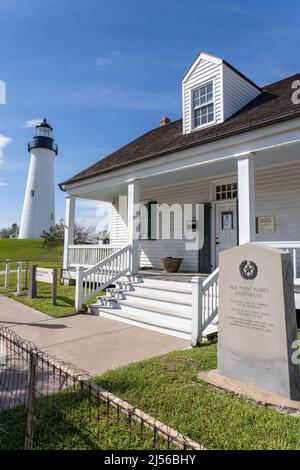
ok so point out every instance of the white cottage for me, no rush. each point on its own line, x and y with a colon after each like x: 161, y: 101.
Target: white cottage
x: 232, y: 164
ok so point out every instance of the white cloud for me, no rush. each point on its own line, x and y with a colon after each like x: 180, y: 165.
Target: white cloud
x: 2, y: 92
x: 4, y: 141
x: 114, y: 58
x: 32, y: 123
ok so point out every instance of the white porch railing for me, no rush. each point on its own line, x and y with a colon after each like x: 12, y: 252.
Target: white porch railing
x: 89, y: 255
x: 205, y: 303
x: 93, y: 280
x: 294, y: 249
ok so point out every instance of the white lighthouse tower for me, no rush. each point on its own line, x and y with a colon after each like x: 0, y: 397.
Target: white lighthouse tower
x: 39, y: 202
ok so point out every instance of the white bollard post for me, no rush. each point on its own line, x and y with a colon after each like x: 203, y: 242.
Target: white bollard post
x: 19, y: 286
x: 7, y: 273
x: 3, y: 353
x: 197, y: 327
x: 78, y: 289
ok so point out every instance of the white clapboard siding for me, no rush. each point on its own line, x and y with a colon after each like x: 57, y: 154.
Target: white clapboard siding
x: 204, y: 72
x: 237, y: 92
x: 144, y: 221
x: 277, y: 193
x: 119, y: 231
x: 153, y: 250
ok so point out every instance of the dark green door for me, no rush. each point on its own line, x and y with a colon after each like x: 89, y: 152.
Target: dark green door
x: 205, y: 265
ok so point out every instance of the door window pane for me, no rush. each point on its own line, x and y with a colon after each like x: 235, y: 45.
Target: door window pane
x: 226, y: 191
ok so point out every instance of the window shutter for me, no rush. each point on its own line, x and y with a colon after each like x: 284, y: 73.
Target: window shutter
x: 144, y: 221
x: 148, y: 214
x: 152, y: 220
x: 205, y: 254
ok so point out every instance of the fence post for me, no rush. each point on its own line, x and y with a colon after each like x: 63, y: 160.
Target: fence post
x: 78, y: 289
x: 7, y: 273
x: 295, y: 264
x: 197, y: 293
x: 19, y: 286
x: 3, y: 352
x: 31, y: 391
x: 54, y: 286
x: 32, y: 283
x: 26, y: 276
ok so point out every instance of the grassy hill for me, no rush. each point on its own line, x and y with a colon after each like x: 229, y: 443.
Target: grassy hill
x: 32, y: 250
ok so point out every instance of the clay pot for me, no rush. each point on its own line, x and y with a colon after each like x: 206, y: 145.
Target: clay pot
x: 171, y: 265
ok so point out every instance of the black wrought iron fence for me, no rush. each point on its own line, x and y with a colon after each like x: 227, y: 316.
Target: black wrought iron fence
x: 48, y: 404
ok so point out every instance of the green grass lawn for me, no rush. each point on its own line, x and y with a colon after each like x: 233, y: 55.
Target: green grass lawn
x: 31, y: 250
x: 71, y: 420
x: 43, y: 301
x: 168, y: 388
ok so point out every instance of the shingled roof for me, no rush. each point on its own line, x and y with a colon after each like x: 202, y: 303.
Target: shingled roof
x: 273, y: 105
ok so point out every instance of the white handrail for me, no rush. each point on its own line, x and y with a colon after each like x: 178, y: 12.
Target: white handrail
x: 100, y: 276
x: 210, y: 298
x: 205, y: 304
x: 211, y: 277
x: 118, y: 247
x: 89, y: 255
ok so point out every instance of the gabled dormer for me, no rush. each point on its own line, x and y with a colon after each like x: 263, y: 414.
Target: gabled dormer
x: 213, y: 91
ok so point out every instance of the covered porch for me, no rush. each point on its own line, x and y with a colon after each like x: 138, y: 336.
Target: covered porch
x: 240, y: 190
x: 243, y: 198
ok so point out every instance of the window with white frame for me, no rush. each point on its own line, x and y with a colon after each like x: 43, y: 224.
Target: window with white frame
x: 226, y: 191
x: 203, y: 106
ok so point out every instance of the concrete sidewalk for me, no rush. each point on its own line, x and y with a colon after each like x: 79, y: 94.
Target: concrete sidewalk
x: 91, y: 343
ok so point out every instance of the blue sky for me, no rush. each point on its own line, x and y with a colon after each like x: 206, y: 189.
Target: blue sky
x: 105, y: 72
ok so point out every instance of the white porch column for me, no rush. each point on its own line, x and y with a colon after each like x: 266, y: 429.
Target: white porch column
x: 69, y: 227
x: 134, y: 188
x: 246, y: 194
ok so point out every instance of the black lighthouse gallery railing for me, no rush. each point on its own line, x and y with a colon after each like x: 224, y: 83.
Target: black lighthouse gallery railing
x: 43, y: 142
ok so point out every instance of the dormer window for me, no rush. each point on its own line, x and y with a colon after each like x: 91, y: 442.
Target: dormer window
x: 213, y: 91
x: 203, y: 106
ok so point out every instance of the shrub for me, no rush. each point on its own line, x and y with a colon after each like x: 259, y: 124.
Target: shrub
x: 82, y: 235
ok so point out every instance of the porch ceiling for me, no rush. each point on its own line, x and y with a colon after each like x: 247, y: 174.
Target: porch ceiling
x: 213, y: 170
